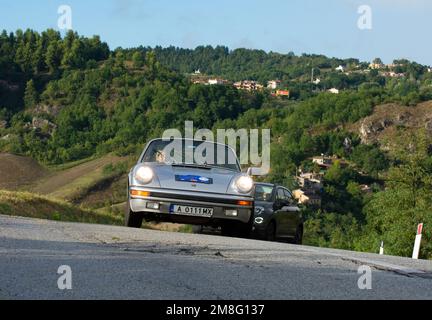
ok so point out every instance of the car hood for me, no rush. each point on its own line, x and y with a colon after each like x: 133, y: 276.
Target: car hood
x: 214, y: 180
x: 264, y: 204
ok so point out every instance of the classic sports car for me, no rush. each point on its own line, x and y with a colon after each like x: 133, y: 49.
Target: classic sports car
x: 174, y: 181
x: 277, y: 216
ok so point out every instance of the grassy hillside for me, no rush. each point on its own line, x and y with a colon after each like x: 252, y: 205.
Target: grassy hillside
x: 25, y: 204
x: 71, y: 183
x: 91, y: 190
x: 17, y: 172
x: 67, y: 192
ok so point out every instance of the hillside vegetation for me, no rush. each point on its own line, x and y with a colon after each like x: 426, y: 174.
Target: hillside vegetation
x: 34, y: 206
x: 68, y: 99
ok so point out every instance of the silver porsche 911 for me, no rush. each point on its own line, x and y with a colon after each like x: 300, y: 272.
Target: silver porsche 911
x: 190, y: 182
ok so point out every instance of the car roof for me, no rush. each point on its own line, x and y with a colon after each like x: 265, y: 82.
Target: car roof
x: 265, y: 184
x: 271, y: 185
x: 188, y: 139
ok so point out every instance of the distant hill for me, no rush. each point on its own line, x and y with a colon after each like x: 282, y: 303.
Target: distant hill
x: 17, y: 172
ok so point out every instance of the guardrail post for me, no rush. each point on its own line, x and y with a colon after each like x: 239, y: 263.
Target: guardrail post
x: 417, y: 242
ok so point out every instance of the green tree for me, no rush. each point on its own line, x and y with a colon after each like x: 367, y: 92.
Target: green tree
x: 53, y: 56
x: 393, y: 214
x: 377, y: 61
x: 138, y: 60
x: 30, y: 95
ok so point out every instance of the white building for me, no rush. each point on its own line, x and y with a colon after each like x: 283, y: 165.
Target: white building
x: 376, y: 66
x: 273, y: 84
x: 215, y: 81
x: 340, y: 68
x: 334, y: 90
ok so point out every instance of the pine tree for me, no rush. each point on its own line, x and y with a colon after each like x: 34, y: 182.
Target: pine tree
x: 30, y: 95
x: 53, y: 56
x: 138, y: 60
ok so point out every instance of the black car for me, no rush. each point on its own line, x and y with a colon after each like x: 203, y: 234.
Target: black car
x: 277, y: 216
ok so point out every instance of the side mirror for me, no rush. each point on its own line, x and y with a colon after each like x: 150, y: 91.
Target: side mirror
x: 277, y: 205
x: 254, y: 171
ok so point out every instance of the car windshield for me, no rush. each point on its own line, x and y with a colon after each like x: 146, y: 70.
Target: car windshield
x: 191, y: 153
x: 263, y: 193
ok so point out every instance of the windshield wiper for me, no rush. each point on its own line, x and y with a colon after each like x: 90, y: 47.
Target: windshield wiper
x: 192, y: 166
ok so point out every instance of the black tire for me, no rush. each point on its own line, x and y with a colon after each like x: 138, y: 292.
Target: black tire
x: 197, y: 229
x: 237, y: 229
x: 298, y: 239
x: 270, y: 233
x: 228, y: 229
x: 132, y: 219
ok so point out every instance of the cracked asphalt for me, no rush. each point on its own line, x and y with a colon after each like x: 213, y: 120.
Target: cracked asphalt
x: 119, y: 263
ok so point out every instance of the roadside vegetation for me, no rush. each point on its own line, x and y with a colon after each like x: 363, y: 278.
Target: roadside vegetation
x: 26, y: 204
x: 71, y: 102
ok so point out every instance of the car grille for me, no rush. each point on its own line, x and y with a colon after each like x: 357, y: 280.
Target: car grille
x: 193, y: 198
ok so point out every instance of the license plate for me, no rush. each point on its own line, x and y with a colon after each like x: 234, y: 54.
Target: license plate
x: 191, y: 211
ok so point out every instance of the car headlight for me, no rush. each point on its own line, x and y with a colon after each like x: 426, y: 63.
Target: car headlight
x: 144, y: 175
x: 244, y: 184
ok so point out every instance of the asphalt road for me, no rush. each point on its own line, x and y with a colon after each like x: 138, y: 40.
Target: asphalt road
x: 119, y: 263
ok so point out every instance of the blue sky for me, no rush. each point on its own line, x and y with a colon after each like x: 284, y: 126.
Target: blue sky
x: 400, y: 28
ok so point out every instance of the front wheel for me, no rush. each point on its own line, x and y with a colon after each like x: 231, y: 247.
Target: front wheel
x: 132, y: 219
x: 237, y: 229
x: 298, y: 239
x: 270, y: 233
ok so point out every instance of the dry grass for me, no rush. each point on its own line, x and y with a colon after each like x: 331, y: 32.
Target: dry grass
x: 69, y: 183
x: 17, y: 172
x: 26, y: 204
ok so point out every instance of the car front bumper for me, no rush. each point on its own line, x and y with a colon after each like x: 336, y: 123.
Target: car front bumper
x: 165, y: 198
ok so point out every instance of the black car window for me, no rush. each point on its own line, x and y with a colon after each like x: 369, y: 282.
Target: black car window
x: 263, y: 193
x: 288, y: 195
x: 280, y: 194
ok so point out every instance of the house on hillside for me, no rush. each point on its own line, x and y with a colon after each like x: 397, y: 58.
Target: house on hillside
x: 281, y: 93
x: 273, y: 84
x: 333, y: 90
x: 392, y: 74
x: 199, y: 80
x: 217, y: 81
x: 310, y: 181
x: 376, y: 66
x: 323, y: 161
x: 248, y: 85
x: 340, y: 68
